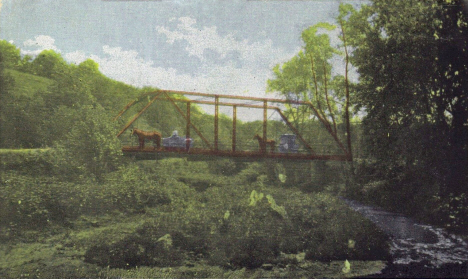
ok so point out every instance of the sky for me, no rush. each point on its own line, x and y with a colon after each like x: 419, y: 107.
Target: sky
x: 210, y: 46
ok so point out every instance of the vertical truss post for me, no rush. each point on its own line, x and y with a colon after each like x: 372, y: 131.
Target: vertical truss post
x: 234, y: 123
x: 185, y: 117
x: 187, y: 128
x: 264, y: 120
x: 216, y: 123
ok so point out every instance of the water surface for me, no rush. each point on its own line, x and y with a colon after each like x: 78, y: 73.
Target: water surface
x: 417, y: 250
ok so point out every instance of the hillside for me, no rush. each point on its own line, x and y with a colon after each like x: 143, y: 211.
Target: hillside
x: 28, y: 84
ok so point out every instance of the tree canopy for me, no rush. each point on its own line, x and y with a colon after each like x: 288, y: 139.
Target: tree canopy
x: 412, y: 61
x: 308, y: 77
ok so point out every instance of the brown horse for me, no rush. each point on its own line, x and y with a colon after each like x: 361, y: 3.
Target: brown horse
x: 263, y: 143
x: 143, y: 135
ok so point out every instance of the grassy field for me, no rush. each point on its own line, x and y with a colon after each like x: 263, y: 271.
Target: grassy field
x: 27, y: 84
x: 178, y: 219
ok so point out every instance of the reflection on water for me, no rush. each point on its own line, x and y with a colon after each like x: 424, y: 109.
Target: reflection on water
x: 413, y: 244
x: 396, y: 225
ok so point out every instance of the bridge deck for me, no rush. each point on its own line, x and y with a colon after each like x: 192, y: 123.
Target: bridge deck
x: 151, y: 153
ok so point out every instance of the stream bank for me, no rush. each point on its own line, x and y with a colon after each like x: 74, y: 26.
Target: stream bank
x: 417, y: 250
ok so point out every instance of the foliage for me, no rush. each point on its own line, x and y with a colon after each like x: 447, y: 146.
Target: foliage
x: 26, y: 161
x: 411, y: 57
x: 35, y: 95
x: 456, y: 208
x: 325, y: 226
x: 170, y: 223
x: 10, y: 54
x: 6, y: 85
x: 90, y: 147
x: 30, y: 202
x: 134, y: 250
x: 29, y: 85
x: 49, y: 64
x: 225, y: 166
x: 308, y: 77
x: 38, y: 201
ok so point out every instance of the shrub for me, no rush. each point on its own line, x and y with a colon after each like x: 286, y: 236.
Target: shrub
x: 27, y: 161
x: 90, y: 148
x: 32, y: 202
x: 250, y: 173
x: 325, y: 225
x: 36, y: 201
x: 225, y: 166
x: 134, y: 250
x: 234, y: 225
x: 452, y: 211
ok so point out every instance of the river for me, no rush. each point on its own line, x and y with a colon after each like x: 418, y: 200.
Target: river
x: 418, y: 251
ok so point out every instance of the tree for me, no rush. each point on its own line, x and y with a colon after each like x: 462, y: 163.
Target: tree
x: 11, y: 55
x: 412, y: 60
x: 308, y: 77
x: 450, y: 86
x: 344, y: 11
x: 6, y: 84
x: 49, y: 64
x: 90, y: 148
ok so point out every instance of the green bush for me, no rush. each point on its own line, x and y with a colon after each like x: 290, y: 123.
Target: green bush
x: 202, y: 181
x: 90, y: 148
x: 27, y: 161
x: 225, y: 166
x: 134, y: 250
x: 36, y: 201
x: 241, y: 223
x: 32, y: 202
x: 325, y: 225
x: 452, y: 211
x: 250, y: 173
x: 252, y: 234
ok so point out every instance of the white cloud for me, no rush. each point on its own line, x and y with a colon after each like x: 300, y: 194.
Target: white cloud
x: 41, y: 42
x: 127, y: 66
x: 246, y: 76
x: 252, y: 54
x: 76, y: 57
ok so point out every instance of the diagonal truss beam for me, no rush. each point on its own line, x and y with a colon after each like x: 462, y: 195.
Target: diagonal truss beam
x: 187, y: 120
x: 291, y: 126
x: 138, y: 114
x: 124, y: 109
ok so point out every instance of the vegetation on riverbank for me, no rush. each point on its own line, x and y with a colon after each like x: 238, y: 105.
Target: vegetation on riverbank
x: 142, y: 219
x: 76, y: 208
x: 412, y: 63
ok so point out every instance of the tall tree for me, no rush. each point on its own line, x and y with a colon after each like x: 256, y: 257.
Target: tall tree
x: 308, y: 77
x: 10, y: 54
x: 412, y: 60
x: 344, y: 11
x: 49, y: 64
x: 6, y: 84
